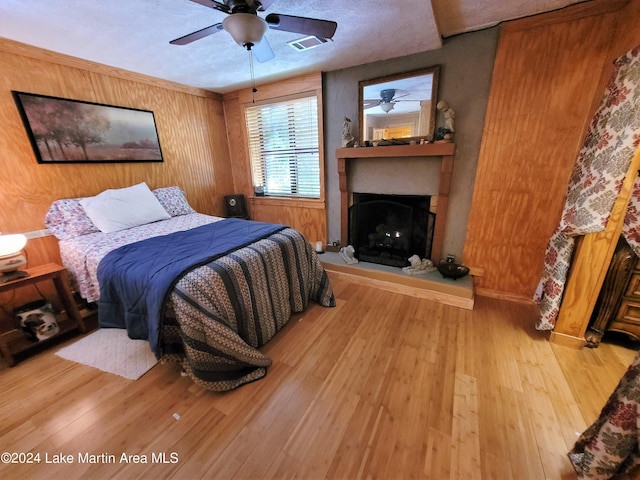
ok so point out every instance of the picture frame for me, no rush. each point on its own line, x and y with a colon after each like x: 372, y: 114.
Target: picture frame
x: 72, y: 131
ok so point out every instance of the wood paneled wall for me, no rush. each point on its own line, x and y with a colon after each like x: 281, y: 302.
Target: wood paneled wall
x: 549, y: 75
x: 308, y: 216
x: 190, y: 124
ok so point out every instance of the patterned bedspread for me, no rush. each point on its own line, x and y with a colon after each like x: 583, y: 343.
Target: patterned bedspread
x: 218, y: 315
x: 610, y: 447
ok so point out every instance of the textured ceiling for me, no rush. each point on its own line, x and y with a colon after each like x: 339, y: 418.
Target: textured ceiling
x: 134, y: 34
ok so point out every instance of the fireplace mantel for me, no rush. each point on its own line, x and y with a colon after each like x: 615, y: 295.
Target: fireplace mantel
x: 445, y: 151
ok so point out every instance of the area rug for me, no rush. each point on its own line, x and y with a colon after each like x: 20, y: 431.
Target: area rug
x: 112, y: 351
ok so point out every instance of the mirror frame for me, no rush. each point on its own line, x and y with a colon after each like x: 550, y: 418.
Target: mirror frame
x: 434, y: 70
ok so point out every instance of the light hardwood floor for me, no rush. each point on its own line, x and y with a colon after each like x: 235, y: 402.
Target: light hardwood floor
x: 384, y: 386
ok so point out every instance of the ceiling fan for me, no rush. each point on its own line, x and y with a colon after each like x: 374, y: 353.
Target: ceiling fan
x: 247, y: 28
x: 387, y: 100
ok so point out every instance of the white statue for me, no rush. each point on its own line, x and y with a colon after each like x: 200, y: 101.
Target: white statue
x: 348, y: 254
x: 347, y: 138
x: 419, y: 266
x: 449, y: 115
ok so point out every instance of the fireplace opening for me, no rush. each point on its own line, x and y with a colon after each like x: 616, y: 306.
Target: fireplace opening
x: 388, y: 229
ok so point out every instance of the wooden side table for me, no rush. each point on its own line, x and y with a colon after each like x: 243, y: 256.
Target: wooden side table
x: 14, y: 341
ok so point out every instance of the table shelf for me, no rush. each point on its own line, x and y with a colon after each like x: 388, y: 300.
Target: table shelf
x: 14, y: 341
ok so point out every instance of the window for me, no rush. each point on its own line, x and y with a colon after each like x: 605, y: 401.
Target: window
x: 283, y: 147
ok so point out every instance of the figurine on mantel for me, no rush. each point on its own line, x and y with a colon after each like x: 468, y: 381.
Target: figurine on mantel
x: 347, y: 138
x: 449, y: 115
x: 445, y: 134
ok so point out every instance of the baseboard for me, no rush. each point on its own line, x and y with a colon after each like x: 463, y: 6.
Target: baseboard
x: 486, y: 292
x: 567, y: 340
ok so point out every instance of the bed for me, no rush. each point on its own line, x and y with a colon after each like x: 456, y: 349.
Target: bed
x: 205, y: 291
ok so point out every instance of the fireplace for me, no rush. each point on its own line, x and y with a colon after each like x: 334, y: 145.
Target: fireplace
x: 388, y: 229
x: 439, y: 152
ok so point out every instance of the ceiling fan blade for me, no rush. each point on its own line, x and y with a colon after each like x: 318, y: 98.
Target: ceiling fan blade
x: 192, y: 37
x: 262, y: 51
x: 303, y: 25
x: 253, y: 5
x: 264, y: 4
x: 213, y: 4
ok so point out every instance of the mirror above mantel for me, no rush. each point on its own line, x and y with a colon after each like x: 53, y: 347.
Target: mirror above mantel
x: 399, y: 107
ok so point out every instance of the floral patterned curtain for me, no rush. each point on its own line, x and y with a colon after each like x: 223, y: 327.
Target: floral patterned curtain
x: 609, y: 447
x: 596, y: 181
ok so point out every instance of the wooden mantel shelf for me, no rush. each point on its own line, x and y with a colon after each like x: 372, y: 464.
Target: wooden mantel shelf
x: 443, y: 150
x: 427, y: 150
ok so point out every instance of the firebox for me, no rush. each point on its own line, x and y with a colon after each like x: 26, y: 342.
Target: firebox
x: 388, y: 229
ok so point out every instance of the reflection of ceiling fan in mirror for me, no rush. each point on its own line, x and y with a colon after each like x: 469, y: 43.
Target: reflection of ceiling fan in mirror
x: 247, y: 28
x: 388, y: 99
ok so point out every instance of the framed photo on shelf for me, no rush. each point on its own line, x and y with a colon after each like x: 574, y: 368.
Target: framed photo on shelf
x: 73, y: 131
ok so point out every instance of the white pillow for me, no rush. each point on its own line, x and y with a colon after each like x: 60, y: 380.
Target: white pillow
x: 122, y: 208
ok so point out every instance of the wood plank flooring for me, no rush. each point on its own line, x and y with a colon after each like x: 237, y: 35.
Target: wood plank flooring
x: 384, y: 386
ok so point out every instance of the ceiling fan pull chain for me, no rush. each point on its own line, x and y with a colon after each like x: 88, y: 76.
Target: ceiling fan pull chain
x: 253, y: 79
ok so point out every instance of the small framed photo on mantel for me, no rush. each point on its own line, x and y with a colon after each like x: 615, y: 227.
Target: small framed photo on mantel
x: 73, y: 131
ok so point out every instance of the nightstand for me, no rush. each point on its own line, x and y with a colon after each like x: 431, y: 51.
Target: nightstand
x: 618, y: 306
x: 14, y: 341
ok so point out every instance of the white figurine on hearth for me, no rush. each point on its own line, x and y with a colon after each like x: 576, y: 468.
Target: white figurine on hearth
x: 418, y: 266
x: 348, y: 254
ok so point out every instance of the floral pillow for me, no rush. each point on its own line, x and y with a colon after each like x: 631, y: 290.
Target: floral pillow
x: 67, y: 218
x: 174, y: 201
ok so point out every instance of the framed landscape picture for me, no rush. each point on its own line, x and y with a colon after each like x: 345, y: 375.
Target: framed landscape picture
x: 72, y: 131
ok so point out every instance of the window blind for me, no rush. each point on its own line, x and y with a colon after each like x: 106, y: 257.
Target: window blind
x: 283, y: 147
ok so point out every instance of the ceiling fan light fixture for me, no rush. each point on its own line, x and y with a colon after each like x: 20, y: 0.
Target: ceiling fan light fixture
x: 246, y: 29
x: 386, y: 106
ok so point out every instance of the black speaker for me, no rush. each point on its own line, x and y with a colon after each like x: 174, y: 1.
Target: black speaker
x: 235, y: 206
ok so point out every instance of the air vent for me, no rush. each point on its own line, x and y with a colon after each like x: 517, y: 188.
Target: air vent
x: 306, y: 43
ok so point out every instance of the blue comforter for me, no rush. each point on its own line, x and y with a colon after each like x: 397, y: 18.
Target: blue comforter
x: 136, y: 278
